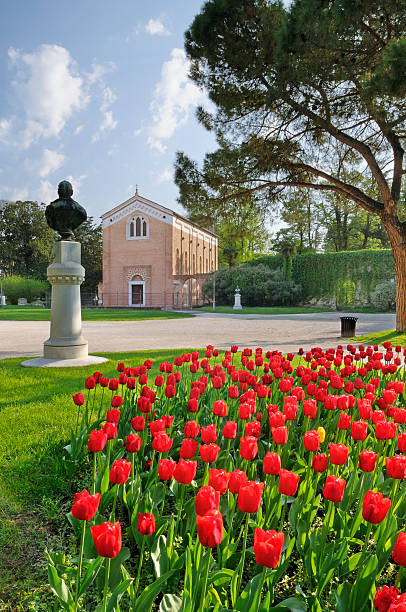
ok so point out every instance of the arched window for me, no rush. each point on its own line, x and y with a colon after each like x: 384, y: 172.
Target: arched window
x: 207, y: 265
x: 185, y: 267
x: 137, y: 227
x: 177, y: 264
x: 193, y: 263
x: 200, y: 264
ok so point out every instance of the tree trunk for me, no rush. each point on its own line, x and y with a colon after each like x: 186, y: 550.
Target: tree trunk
x: 397, y: 238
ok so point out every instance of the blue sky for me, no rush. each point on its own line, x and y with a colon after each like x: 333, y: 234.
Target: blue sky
x: 96, y: 92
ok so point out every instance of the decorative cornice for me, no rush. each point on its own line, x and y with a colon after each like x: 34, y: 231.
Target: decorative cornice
x: 135, y: 207
x: 66, y: 279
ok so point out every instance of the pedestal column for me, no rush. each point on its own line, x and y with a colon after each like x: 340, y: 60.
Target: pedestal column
x: 66, y: 274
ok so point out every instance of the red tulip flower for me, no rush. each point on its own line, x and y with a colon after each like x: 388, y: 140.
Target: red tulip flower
x: 334, y: 488
x: 311, y: 440
x: 107, y: 539
x: 207, y: 498
x: 375, y: 507
x: 279, y: 434
x: 268, y: 547
x: 116, y: 401
x: 185, y: 471
x: 78, y: 399
x: 110, y: 429
x: 90, y: 383
x: 249, y: 496
x: 85, y: 505
x: 385, y: 597
x: 191, y: 429
x: 113, y: 384
x: 146, y: 523
x: 385, y: 430
x: 338, y: 454
x: 113, y: 415
x: 120, y: 471
x: 396, y: 467
x: 359, y: 430
x: 208, y: 434
x: 162, y: 442
x: 244, y: 412
x: 230, y: 430
x: 97, y: 440
x: 288, y: 482
x: 132, y: 443
x: 344, y: 421
x: 220, y: 408
x: 210, y: 528
x: 157, y: 426
x: 248, y: 447
x: 209, y: 452
x: 218, y: 479
x: 166, y: 469
x: 367, y: 461
x: 272, y: 464
x: 402, y: 442
x: 138, y: 423
x: 310, y: 408
x: 188, y: 448
x: 399, y: 550
x: 237, y: 478
x: 320, y: 462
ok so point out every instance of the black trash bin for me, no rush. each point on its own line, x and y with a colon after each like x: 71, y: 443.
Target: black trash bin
x: 348, y: 325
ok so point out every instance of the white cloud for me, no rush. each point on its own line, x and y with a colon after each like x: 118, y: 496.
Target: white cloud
x: 76, y: 182
x: 20, y: 193
x: 108, y: 122
x: 174, y: 97
x: 47, y: 192
x: 79, y: 129
x: 49, y: 89
x: 47, y: 164
x: 5, y: 127
x: 164, y: 176
x: 155, y: 27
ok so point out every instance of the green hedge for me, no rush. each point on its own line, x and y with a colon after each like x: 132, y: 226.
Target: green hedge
x: 15, y: 287
x: 348, y: 277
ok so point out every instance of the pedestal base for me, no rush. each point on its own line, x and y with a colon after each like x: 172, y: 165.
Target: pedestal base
x: 57, y: 350
x: 41, y: 362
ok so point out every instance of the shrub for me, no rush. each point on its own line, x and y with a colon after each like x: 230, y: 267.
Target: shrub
x: 259, y: 285
x: 15, y: 287
x: 384, y: 296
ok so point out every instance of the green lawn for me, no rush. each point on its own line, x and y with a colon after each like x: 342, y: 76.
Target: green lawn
x: 38, y: 313
x: 36, y: 484
x: 380, y: 337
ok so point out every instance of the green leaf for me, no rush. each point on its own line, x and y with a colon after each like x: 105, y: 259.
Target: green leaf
x: 117, y: 594
x: 250, y: 593
x: 170, y: 603
x: 221, y: 577
x: 342, y: 596
x: 104, y: 484
x: 294, y: 604
x: 160, y: 557
x: 91, y: 573
x: 60, y: 589
x: 233, y: 587
x: 115, y: 567
x: 363, y: 588
x: 146, y: 599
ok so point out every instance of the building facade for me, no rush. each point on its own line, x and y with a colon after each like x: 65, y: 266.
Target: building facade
x: 153, y: 257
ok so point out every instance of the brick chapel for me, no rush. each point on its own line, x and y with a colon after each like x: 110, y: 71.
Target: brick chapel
x: 153, y: 257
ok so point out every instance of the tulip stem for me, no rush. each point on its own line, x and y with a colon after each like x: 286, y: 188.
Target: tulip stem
x: 178, y: 516
x: 79, y: 572
x: 106, y: 584
x: 113, y: 511
x: 132, y: 475
x: 361, y: 563
x: 206, y: 575
x: 263, y: 576
x: 94, y: 473
x: 244, y: 546
x: 284, y: 504
x: 139, y: 566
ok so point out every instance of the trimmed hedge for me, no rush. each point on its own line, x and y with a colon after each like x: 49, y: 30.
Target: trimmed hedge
x: 15, y: 287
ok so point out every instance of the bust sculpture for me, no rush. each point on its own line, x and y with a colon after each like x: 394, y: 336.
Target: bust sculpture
x: 64, y: 214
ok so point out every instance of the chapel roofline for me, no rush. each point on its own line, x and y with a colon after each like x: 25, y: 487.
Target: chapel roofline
x: 137, y: 197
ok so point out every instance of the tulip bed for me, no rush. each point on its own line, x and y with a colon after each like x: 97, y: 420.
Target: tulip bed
x: 248, y: 481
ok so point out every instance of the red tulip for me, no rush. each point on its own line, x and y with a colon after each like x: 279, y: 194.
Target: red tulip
x: 166, y: 469
x: 210, y: 528
x: 185, y: 471
x: 78, y: 399
x: 249, y: 496
x: 367, y: 461
x: 85, y: 505
x: 157, y: 426
x: 385, y: 430
x: 218, y: 479
x: 107, y: 539
x: 268, y: 547
x: 385, y: 597
x: 310, y: 408
x: 237, y: 478
x: 279, y: 434
x: 320, y: 462
x: 344, y: 421
x: 334, y: 488
x: 359, y: 430
x: 230, y: 430
x: 116, y: 401
x: 248, y: 447
x: 375, y: 507
x: 113, y: 415
x: 311, y: 441
x: 272, y: 464
x: 399, y: 550
x: 208, y: 434
x: 138, y: 423
x: 120, y: 471
x: 188, y: 448
x: 288, y: 482
x: 220, y: 408
x: 253, y: 428
x: 191, y: 429
x: 146, y: 523
x: 338, y: 454
x: 209, y: 452
x: 97, y: 440
x: 207, y: 498
x: 396, y: 467
x: 132, y: 443
x: 162, y: 442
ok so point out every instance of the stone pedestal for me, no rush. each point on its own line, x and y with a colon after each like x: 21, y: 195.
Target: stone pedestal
x: 2, y: 300
x: 65, y: 347
x: 237, y: 300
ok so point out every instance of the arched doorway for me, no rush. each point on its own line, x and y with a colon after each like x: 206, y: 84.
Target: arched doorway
x: 136, y: 291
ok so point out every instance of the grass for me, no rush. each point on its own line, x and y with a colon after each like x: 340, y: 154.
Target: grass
x: 38, y: 313
x: 37, y: 484
x: 380, y: 337
x: 280, y: 310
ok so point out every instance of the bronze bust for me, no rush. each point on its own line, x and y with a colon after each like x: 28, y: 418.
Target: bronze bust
x: 64, y: 214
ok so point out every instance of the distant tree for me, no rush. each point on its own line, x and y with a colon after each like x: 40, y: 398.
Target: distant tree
x: 25, y: 238
x: 289, y: 84
x: 90, y: 235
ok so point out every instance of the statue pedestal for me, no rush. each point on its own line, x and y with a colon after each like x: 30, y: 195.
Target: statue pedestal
x: 237, y: 301
x: 65, y: 343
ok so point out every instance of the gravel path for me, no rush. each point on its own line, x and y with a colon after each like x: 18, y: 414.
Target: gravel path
x: 283, y: 332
